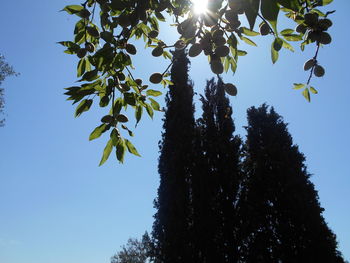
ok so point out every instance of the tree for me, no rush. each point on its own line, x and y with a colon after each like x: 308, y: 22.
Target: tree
x: 215, y: 180
x: 105, y: 48
x: 172, y: 226
x: 5, y: 71
x: 135, y: 251
x: 280, y: 212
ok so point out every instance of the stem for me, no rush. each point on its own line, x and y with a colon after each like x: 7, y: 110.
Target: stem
x: 313, y: 67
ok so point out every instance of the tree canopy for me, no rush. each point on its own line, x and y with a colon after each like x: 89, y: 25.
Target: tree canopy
x: 106, y: 30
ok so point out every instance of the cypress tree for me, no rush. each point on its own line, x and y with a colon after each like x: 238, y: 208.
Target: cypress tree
x: 172, y: 226
x: 280, y: 211
x: 215, y: 179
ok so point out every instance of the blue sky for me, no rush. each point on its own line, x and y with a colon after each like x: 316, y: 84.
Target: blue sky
x: 58, y: 206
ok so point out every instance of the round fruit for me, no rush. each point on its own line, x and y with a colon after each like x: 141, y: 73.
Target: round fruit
x: 217, y: 67
x: 156, y: 78
x: 158, y: 51
x: 138, y: 82
x: 319, y: 71
x: 90, y: 47
x: 220, y: 41
x: 122, y: 118
x: 84, y: 13
x: 311, y: 19
x: 309, y: 64
x: 325, y: 38
x: 264, y: 29
x: 124, y: 20
x: 231, y: 16
x: 314, y: 36
x: 180, y: 44
x: 230, y: 89
x: 301, y: 28
x: 107, y: 119
x: 222, y: 51
x: 81, y: 53
x: 153, y: 34
x: 195, y: 50
x: 324, y: 24
x: 131, y: 49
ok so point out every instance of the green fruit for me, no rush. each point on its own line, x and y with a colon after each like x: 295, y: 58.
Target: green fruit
x: 90, y: 47
x: 122, y: 118
x: 311, y: 19
x: 264, y: 29
x: 158, y: 51
x: 153, y: 34
x: 325, y: 38
x: 138, y: 82
x: 314, y: 36
x: 319, y: 71
x: 220, y: 41
x: 217, y: 67
x: 195, y: 50
x: 92, y: 31
x: 84, y: 13
x: 131, y: 49
x: 81, y: 53
x: 222, y: 51
x: 301, y: 28
x: 107, y: 119
x: 156, y: 78
x: 324, y: 24
x: 309, y: 64
x: 230, y: 89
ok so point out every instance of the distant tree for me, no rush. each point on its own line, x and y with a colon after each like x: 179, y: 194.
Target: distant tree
x: 135, y: 251
x: 172, y: 226
x: 280, y: 212
x: 5, y: 71
x: 216, y: 178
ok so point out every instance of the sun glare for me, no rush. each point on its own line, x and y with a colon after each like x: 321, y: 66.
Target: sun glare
x: 200, y: 6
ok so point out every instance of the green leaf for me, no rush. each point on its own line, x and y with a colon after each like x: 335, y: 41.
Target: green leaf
x: 299, y: 86
x: 293, y: 37
x: 241, y: 53
x: 83, y: 106
x: 251, y: 9
x: 138, y: 113
x: 121, y: 148
x: 306, y: 94
x: 249, y: 32
x: 97, y: 132
x: 81, y: 67
x: 290, y: 4
x: 155, y: 104
x: 287, y: 45
x: 154, y: 93
x: 287, y: 31
x: 269, y: 10
x: 149, y: 110
x: 115, y: 136
x: 106, y: 152
x: 313, y: 90
x: 248, y: 41
x: 131, y: 148
x: 274, y: 54
x: 325, y: 2
x: 73, y: 9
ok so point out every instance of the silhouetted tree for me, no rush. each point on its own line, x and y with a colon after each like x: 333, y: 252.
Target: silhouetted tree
x: 216, y: 178
x: 5, y: 71
x: 172, y: 226
x: 135, y: 251
x: 280, y: 213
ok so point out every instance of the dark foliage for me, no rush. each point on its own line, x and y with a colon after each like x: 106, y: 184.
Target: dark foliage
x: 5, y: 71
x: 172, y: 226
x: 280, y: 212
x: 216, y: 178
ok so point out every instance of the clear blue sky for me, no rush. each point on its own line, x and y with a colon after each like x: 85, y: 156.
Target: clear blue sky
x: 57, y: 205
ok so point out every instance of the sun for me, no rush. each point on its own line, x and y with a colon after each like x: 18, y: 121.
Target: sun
x: 200, y: 6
